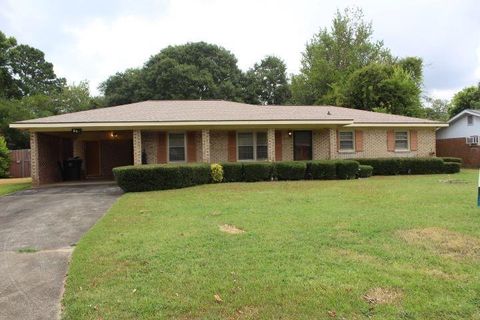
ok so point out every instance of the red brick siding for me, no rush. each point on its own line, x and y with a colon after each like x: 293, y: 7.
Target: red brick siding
x: 51, y: 151
x: 456, y: 147
x: 191, y: 147
x: 232, y: 146
x: 162, y: 147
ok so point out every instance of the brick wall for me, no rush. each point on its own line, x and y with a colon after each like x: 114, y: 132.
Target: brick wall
x: 375, y: 145
x: 456, y: 147
x: 150, y: 145
x: 51, y: 150
x: 320, y: 144
x: 287, y: 146
x: 218, y: 146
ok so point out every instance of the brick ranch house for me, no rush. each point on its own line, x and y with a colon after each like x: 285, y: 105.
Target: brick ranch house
x: 218, y: 131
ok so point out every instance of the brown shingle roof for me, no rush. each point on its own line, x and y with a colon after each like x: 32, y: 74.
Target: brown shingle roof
x: 217, y: 110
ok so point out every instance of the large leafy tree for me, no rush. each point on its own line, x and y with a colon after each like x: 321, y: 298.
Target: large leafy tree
x: 468, y: 98
x: 382, y: 87
x: 4, y: 158
x: 332, y: 55
x: 437, y: 109
x: 191, y: 71
x: 267, y: 83
x: 24, y: 70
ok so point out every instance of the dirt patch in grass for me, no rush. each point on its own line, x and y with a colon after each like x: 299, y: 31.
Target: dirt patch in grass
x: 443, y: 242
x: 454, y: 181
x: 228, y: 228
x: 383, y: 295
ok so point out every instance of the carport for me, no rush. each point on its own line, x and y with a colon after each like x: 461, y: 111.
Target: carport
x: 99, y: 152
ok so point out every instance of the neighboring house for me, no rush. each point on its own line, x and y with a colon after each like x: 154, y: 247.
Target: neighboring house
x: 461, y: 138
x: 218, y: 131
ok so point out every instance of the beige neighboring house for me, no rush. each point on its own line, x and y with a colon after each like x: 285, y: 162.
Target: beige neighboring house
x: 218, y: 131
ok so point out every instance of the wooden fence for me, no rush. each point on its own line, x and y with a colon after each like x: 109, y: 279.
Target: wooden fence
x: 20, y: 163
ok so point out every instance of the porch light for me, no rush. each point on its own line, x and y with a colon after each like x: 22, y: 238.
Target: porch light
x: 113, y: 135
x: 289, y: 133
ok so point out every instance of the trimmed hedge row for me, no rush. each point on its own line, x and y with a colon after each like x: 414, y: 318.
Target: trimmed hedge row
x: 399, y: 166
x: 161, y: 177
x: 452, y: 159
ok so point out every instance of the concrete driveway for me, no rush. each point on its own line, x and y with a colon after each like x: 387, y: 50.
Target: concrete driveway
x: 48, y: 221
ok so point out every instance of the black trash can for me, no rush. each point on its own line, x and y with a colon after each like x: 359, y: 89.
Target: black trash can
x: 72, y: 169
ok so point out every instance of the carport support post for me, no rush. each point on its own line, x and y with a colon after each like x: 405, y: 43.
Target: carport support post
x: 137, y: 147
x: 206, y: 146
x: 34, y: 159
x: 271, y: 144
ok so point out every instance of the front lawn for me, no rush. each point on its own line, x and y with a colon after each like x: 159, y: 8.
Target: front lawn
x: 12, y: 185
x: 402, y: 247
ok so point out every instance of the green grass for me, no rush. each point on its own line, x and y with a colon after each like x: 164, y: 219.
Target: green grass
x: 12, y: 185
x: 310, y: 250
x: 27, y: 250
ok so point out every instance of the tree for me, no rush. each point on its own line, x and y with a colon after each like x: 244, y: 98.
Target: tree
x: 267, y: 83
x: 468, y: 98
x: 7, y: 87
x: 332, y: 55
x: 382, y: 87
x: 4, y: 158
x: 31, y: 73
x: 124, y: 87
x: 437, y: 109
x: 191, y: 71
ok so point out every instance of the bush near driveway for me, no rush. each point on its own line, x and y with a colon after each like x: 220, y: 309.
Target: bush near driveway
x: 160, y: 177
x: 4, y: 158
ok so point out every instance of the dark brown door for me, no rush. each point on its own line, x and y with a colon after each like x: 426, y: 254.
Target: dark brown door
x: 92, y: 158
x: 302, y: 145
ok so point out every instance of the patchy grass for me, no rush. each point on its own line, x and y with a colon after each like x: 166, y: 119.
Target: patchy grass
x: 27, y: 250
x: 384, y: 248
x: 14, y: 184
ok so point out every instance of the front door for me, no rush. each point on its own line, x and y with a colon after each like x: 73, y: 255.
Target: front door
x: 302, y: 145
x: 92, y: 158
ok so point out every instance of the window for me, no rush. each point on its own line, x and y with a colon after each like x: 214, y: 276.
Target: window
x: 176, y: 147
x: 252, y: 146
x: 470, y: 120
x: 401, y: 140
x: 347, y: 142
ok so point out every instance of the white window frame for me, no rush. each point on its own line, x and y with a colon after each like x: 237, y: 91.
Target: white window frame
x: 353, y: 142
x: 395, y: 141
x: 254, y: 134
x: 470, y: 117
x: 184, y: 146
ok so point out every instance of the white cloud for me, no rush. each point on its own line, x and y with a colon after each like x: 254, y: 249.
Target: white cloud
x: 446, y: 94
x: 93, y: 40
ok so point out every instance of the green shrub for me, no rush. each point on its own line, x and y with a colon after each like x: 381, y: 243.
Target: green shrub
x: 451, y: 167
x: 4, y: 158
x: 216, y: 171
x: 452, y: 159
x: 161, y: 177
x: 395, y: 166
x: 322, y: 170
x: 257, y: 171
x: 232, y: 171
x: 365, y: 171
x: 346, y: 169
x: 290, y: 170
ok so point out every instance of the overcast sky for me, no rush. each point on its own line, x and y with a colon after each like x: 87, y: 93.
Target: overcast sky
x: 92, y: 39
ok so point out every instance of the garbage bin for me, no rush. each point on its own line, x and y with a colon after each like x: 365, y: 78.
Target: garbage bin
x: 72, y: 169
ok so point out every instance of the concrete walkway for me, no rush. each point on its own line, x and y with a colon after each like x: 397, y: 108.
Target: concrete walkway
x: 48, y: 221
